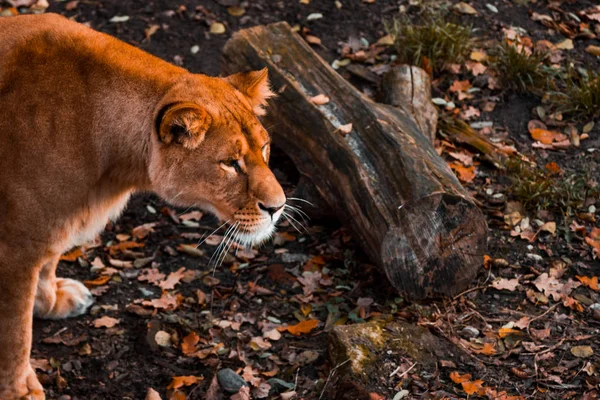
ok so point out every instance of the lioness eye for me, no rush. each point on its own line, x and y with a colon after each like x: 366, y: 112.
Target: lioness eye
x: 232, y: 165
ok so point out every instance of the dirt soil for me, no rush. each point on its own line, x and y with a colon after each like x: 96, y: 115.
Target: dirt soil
x: 162, y: 311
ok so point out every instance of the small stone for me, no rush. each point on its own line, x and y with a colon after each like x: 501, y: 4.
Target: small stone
x: 481, y: 81
x: 278, y: 385
x: 469, y: 332
x: 230, y: 381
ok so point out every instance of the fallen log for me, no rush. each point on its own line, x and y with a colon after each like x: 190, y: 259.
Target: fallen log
x: 383, y: 179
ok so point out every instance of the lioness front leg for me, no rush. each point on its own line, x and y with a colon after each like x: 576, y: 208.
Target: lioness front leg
x: 59, y: 298
x: 17, y: 290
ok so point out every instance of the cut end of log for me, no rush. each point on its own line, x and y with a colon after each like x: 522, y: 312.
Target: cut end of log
x: 437, y: 249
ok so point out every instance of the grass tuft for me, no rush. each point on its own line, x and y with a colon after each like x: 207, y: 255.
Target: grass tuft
x: 543, y: 189
x: 580, y: 98
x: 521, y: 71
x: 433, y: 43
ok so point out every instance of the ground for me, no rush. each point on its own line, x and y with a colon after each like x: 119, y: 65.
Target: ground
x: 527, y: 323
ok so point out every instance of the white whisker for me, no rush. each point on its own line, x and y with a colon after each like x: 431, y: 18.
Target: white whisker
x: 298, y: 222
x: 299, y: 199
x: 213, y: 232
x: 298, y: 211
x: 286, y: 216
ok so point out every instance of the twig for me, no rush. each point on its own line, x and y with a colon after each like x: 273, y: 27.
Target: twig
x: 330, y: 375
x: 541, y: 316
x: 469, y: 291
x: 404, y: 373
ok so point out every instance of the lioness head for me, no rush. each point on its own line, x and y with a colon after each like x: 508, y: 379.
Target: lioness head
x: 210, y: 150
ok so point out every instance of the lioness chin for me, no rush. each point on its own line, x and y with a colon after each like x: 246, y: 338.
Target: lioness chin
x: 86, y: 121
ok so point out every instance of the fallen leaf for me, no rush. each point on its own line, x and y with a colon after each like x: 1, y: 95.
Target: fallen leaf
x: 101, y: 280
x: 180, y: 381
x: 166, y: 302
x: 472, y: 387
x: 140, y: 232
x: 478, y: 56
x: 345, y: 129
x: 312, y: 39
x: 460, y: 86
x: 151, y: 275
x: 593, y: 50
x: 582, y: 351
x: 591, y: 282
x: 173, y: 279
x: 566, y: 44
x: 106, y: 322
x: 258, y: 343
x: 458, y: 378
x: 488, y: 349
x: 572, y: 304
x: 119, y: 247
x: 504, y: 332
x: 217, y: 28
x: 236, y: 11
x: 465, y: 174
x: 476, y: 68
x: 72, y: 255
x: 505, y: 284
x: 305, y: 326
x: 151, y: 30
x: 542, y: 135
x: 464, y: 8
x: 553, y: 168
x: 319, y: 99
x: 188, y: 344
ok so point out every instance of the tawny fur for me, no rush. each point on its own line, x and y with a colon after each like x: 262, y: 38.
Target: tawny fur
x: 81, y: 129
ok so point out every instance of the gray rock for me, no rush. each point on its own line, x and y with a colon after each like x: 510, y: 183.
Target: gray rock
x: 469, y: 332
x: 230, y: 381
x: 279, y: 386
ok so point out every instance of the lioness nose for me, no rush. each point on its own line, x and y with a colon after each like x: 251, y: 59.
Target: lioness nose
x: 270, y: 210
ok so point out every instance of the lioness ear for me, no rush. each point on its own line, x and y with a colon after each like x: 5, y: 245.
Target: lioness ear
x: 255, y: 86
x: 184, y: 123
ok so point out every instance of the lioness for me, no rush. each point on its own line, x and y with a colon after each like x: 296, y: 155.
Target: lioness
x: 85, y: 121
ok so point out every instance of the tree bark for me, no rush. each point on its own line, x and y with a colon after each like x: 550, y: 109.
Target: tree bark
x: 409, y: 88
x: 383, y: 179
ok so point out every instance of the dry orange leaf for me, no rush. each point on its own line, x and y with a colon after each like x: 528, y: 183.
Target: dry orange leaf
x: 472, y: 387
x: 114, y: 249
x: 504, y: 332
x: 553, y: 168
x: 72, y: 255
x: 542, y: 135
x: 188, y: 345
x: 460, y: 86
x: 488, y: 349
x: 98, y: 281
x: 302, y: 327
x: 458, y: 378
x: 592, y: 282
x: 179, y: 381
x: 465, y: 174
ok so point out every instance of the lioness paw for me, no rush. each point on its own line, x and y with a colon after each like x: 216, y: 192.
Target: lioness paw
x: 27, y: 388
x: 72, y: 299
